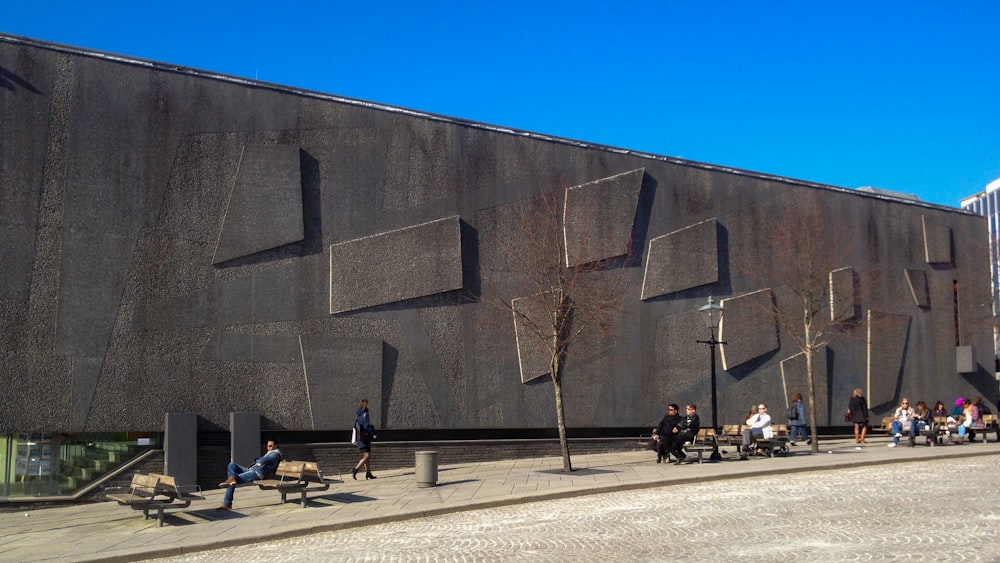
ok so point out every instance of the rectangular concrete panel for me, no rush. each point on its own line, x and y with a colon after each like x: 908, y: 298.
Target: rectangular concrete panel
x: 532, y: 327
x: 749, y: 326
x: 937, y: 242
x: 965, y: 359
x: 916, y: 280
x: 244, y: 437
x: 598, y: 217
x: 683, y: 259
x: 339, y: 372
x: 843, y: 297
x: 267, y: 348
x: 397, y: 265
x: 265, y: 204
x: 794, y: 377
x: 180, y: 447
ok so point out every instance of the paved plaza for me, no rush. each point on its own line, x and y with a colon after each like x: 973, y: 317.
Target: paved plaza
x: 869, y: 503
x: 882, y: 513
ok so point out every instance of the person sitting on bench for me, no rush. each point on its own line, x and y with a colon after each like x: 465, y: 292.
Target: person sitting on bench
x: 663, y: 435
x: 760, y: 427
x: 260, y: 468
x: 684, y: 432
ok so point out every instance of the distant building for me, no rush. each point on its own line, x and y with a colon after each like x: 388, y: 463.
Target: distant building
x: 986, y: 203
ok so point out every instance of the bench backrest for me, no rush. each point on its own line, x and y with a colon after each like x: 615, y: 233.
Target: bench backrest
x: 144, y: 486
x: 312, y: 473
x: 989, y: 420
x: 779, y: 429
x: 290, y: 470
x: 731, y: 430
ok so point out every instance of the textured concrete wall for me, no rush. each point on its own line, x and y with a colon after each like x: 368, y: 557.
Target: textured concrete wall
x: 179, y: 242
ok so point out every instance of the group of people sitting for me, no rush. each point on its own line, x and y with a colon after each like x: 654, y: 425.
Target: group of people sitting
x: 963, y: 419
x: 674, y: 431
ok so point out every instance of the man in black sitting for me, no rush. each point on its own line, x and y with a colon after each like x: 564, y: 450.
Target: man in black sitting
x: 685, y: 431
x: 663, y: 434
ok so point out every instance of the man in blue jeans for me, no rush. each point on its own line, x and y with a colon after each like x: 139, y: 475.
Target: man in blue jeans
x: 260, y: 468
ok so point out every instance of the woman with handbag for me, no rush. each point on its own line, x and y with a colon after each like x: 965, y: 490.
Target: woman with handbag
x: 857, y: 412
x: 365, y: 434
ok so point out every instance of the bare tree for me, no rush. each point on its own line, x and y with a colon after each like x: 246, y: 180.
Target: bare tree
x: 553, y: 304
x: 809, y: 259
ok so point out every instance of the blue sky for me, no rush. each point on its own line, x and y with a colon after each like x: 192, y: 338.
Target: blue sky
x: 900, y: 95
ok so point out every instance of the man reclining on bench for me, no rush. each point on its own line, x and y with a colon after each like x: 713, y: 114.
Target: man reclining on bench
x: 260, y: 468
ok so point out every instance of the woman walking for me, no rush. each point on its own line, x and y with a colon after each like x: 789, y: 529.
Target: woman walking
x: 858, y: 409
x: 365, y: 436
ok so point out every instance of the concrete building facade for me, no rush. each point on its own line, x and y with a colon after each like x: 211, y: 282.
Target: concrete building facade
x: 178, y: 241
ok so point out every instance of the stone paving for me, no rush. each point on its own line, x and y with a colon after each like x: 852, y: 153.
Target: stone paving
x: 838, y: 504
x: 881, y: 513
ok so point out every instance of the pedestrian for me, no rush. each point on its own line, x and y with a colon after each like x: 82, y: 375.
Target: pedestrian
x: 365, y: 434
x: 799, y: 425
x: 857, y: 410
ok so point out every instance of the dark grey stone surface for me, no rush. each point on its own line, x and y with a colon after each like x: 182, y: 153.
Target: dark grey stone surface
x: 749, y: 327
x: 916, y: 280
x: 682, y: 259
x: 395, y: 266
x: 117, y: 188
x: 887, y: 334
x: 599, y: 217
x: 265, y: 205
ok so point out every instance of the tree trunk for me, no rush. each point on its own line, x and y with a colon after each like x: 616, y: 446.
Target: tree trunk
x: 560, y: 417
x: 811, y: 389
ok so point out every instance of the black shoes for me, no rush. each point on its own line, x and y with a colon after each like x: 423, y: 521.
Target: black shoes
x: 369, y: 476
x: 659, y: 458
x: 354, y: 473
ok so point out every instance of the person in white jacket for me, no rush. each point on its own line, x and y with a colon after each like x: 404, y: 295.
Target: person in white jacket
x: 759, y: 427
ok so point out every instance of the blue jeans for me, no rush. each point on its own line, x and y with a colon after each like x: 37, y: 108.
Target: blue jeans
x: 243, y: 475
x: 897, y: 428
x: 798, y: 430
x: 916, y: 426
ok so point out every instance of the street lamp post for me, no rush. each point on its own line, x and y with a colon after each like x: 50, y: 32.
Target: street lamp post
x: 712, y: 315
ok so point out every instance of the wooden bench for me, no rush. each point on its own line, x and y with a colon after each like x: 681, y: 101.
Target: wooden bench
x: 156, y: 492
x: 776, y: 444
x: 704, y: 441
x: 732, y: 435
x: 300, y: 477
x: 935, y: 430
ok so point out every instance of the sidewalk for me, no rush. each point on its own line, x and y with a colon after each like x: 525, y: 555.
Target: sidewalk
x: 108, y: 532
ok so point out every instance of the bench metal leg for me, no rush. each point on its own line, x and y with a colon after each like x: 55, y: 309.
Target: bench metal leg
x: 159, y: 517
x: 303, y: 498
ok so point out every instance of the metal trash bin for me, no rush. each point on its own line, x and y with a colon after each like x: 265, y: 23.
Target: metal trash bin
x: 426, y: 469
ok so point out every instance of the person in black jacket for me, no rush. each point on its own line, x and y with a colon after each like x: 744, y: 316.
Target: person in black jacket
x: 858, y: 408
x: 663, y: 434
x: 685, y: 431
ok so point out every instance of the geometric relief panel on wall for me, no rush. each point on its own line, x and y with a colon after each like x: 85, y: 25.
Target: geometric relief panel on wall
x: 937, y: 242
x: 842, y: 295
x: 531, y: 327
x: 264, y: 210
x: 916, y: 281
x: 407, y: 263
x: 683, y: 259
x: 339, y: 372
x: 264, y: 348
x: 794, y: 379
x: 887, y: 334
x: 749, y: 327
x: 598, y: 217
